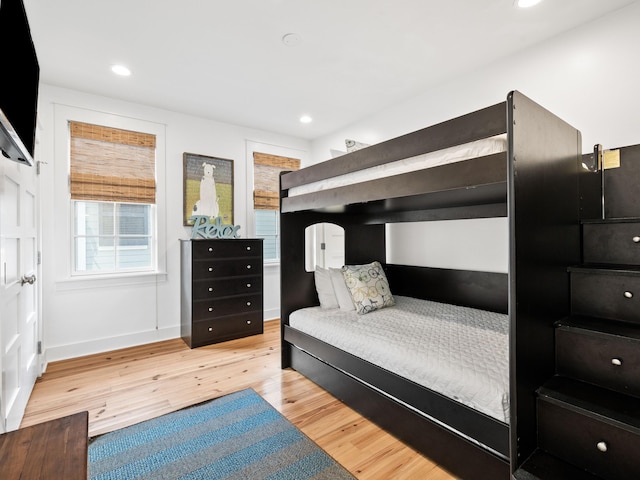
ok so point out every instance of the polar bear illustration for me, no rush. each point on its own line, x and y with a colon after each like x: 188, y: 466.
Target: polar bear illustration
x: 208, y: 202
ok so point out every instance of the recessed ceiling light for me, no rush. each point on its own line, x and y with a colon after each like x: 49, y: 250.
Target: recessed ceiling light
x: 527, y: 3
x: 306, y: 119
x: 291, y: 39
x: 121, y: 70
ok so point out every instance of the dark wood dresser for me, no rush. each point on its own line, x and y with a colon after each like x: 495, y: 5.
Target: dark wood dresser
x: 221, y: 293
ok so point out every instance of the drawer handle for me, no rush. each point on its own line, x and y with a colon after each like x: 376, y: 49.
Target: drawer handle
x: 249, y: 248
x: 248, y: 322
x: 616, y: 361
x: 628, y: 294
x: 636, y: 239
x: 248, y: 285
x: 248, y: 267
x: 211, y: 329
x: 211, y: 289
x: 211, y: 249
x: 211, y: 309
x: 248, y: 304
x: 602, y: 446
x: 211, y: 269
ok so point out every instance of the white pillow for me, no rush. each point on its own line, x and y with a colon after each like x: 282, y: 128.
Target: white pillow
x: 341, y: 291
x: 324, y: 287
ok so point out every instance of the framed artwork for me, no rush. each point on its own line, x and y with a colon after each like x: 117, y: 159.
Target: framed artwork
x: 208, y: 187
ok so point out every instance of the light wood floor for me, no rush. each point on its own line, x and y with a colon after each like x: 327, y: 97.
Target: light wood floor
x: 128, y: 386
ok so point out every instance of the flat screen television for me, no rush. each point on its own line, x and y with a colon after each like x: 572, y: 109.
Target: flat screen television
x: 19, y: 79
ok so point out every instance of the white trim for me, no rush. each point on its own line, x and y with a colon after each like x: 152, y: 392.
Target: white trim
x: 62, y: 204
x: 111, y: 280
x: 108, y: 344
x: 272, y: 314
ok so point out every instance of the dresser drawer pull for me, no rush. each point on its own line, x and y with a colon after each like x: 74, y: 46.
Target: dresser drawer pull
x: 248, y: 285
x: 248, y: 304
x: 249, y: 248
x: 602, y: 446
x: 248, y: 322
x: 616, y: 361
x: 211, y: 269
x: 210, y: 329
x: 211, y: 249
x: 628, y: 294
x: 636, y: 239
x: 248, y: 267
x: 211, y: 309
x: 211, y: 289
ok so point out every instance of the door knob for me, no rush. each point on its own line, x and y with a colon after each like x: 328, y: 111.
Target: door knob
x: 30, y: 279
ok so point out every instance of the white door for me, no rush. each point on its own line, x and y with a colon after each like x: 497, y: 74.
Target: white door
x: 329, y: 245
x: 19, y: 321
x: 334, y: 245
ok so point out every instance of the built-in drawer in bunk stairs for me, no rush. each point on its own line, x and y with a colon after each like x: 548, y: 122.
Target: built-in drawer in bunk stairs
x: 588, y: 414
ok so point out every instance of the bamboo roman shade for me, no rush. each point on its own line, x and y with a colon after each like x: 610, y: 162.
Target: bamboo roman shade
x: 112, y: 165
x: 266, y: 174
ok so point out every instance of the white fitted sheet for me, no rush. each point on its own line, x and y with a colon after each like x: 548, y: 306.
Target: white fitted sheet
x: 459, y: 352
x: 458, y: 153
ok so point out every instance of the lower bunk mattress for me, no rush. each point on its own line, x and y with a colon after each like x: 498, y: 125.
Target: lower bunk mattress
x: 459, y: 352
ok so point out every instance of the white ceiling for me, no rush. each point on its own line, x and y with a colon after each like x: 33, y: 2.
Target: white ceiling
x: 225, y: 60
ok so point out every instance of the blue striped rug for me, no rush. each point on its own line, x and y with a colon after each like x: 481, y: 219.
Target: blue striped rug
x: 238, y: 436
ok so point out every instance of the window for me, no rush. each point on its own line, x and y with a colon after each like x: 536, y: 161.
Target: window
x: 113, y: 192
x: 112, y: 237
x: 267, y: 227
x: 266, y: 198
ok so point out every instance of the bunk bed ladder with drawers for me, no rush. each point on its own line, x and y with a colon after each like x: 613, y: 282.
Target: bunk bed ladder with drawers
x: 588, y: 413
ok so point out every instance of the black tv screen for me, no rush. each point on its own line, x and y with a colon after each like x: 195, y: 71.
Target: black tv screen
x: 20, y: 73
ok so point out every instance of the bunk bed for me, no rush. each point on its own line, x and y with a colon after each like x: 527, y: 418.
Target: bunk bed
x: 513, y: 159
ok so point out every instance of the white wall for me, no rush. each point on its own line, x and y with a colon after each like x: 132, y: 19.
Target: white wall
x: 588, y: 77
x: 82, y: 317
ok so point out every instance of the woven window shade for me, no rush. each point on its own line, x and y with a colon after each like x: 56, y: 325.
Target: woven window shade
x: 112, y: 165
x: 266, y: 183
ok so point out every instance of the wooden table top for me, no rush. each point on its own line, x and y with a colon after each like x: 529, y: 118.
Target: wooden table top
x: 53, y: 449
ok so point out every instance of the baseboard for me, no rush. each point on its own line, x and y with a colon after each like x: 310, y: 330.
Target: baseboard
x: 63, y: 352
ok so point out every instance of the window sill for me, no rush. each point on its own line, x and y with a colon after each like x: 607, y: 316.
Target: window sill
x: 271, y: 263
x: 114, y: 280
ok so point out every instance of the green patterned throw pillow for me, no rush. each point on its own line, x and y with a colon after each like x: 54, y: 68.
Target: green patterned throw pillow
x: 368, y: 286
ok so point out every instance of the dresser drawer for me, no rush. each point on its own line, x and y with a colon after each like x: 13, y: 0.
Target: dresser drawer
x: 614, y: 243
x: 227, y: 267
x: 606, y: 294
x: 604, y: 359
x: 222, y: 248
x: 602, y: 447
x: 214, y: 287
x: 222, y: 329
x: 219, y: 307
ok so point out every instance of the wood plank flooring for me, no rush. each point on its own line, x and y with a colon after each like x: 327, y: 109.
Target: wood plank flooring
x: 127, y: 386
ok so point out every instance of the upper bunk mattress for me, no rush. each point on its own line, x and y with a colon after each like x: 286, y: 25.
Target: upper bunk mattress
x: 459, y: 352
x: 458, y: 153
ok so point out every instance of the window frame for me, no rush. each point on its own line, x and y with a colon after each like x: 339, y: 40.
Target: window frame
x: 66, y: 277
x: 257, y: 146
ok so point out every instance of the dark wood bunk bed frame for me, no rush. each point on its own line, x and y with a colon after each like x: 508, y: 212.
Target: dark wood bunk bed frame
x: 535, y: 185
